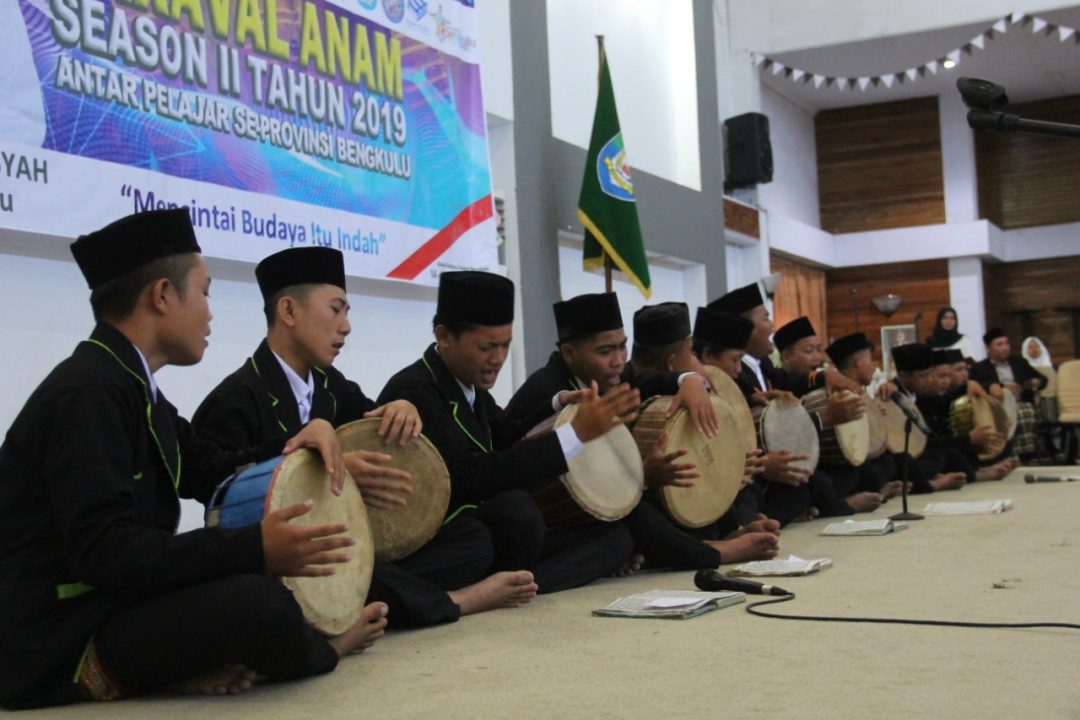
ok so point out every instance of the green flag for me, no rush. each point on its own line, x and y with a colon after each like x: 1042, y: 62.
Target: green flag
x: 607, y: 207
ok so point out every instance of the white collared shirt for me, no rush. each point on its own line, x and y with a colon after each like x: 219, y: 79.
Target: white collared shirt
x: 754, y: 364
x: 302, y: 390
x: 568, y: 440
x: 152, y: 384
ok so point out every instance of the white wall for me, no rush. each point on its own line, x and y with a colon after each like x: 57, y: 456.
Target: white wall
x: 672, y: 281
x: 966, y: 296
x: 793, y: 192
x: 650, y: 51
x: 496, y: 64
x: 775, y: 26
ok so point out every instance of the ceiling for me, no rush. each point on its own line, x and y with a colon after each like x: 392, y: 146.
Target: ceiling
x: 1030, y: 66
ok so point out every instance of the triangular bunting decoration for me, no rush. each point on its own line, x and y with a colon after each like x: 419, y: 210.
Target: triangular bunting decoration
x: 954, y: 56
x: 1064, y: 33
x: 777, y: 68
x: 1000, y: 26
x: 978, y: 41
x: 1016, y: 17
x: 912, y: 73
x: 818, y: 80
x: 757, y: 59
x: 863, y: 82
x: 888, y: 80
x: 1037, y: 25
x: 932, y: 66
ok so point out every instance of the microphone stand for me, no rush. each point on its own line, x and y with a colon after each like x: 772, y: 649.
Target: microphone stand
x: 905, y: 515
x: 999, y: 121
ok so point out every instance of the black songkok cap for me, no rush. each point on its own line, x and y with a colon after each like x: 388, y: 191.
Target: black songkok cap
x: 953, y: 355
x: 586, y: 315
x: 913, y: 357
x: 722, y: 331
x: 300, y: 266
x: 739, y: 301
x: 793, y: 332
x: 992, y: 334
x: 133, y: 241
x: 662, y: 324
x: 847, y: 346
x: 479, y: 298
x: 940, y: 357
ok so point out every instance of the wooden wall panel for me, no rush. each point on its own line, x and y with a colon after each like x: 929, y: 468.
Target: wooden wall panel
x: 923, y: 285
x: 1036, y: 297
x: 1027, y: 180
x: 879, y: 166
x: 801, y: 292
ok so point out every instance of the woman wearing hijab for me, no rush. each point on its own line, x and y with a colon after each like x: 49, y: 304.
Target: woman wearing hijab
x: 1035, y: 352
x: 946, y: 336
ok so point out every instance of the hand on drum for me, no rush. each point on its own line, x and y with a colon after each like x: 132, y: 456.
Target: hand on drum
x: 382, y: 486
x: 755, y: 465
x: 661, y: 468
x: 834, y: 380
x: 319, y: 435
x: 569, y: 397
x: 778, y: 468
x: 599, y: 413
x: 400, y: 419
x: 984, y: 436
x: 842, y: 408
x: 694, y: 396
x: 885, y: 391
x: 301, y: 550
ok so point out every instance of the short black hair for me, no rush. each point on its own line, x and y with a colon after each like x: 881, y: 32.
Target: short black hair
x: 115, y: 299
x: 454, y: 327
x: 300, y: 292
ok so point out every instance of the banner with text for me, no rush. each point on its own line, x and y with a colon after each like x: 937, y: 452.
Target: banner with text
x: 354, y: 124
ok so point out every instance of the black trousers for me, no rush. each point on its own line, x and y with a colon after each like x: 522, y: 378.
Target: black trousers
x: 937, y: 459
x: 249, y: 620
x: 559, y: 558
x: 665, y: 545
x: 786, y: 503
x: 415, y: 588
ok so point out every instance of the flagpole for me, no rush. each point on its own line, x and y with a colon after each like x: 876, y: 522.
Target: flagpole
x: 608, y: 265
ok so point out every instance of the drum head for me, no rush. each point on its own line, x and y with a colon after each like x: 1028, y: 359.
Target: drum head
x: 786, y: 426
x: 728, y: 389
x: 332, y: 603
x: 894, y: 426
x: 987, y: 414
x: 1012, y: 409
x: 853, y: 437
x: 876, y: 432
x: 606, y: 478
x: 403, y: 530
x: 719, y: 461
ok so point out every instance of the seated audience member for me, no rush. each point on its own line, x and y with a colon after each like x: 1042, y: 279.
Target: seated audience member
x: 1003, y: 372
x: 101, y: 599
x: 947, y: 335
x: 290, y: 380
x: 492, y: 464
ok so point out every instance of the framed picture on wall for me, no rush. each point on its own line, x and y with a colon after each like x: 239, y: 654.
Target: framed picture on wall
x: 892, y: 336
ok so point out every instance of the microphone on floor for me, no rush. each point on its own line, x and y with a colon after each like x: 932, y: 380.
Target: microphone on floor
x: 713, y: 580
x: 1047, y: 478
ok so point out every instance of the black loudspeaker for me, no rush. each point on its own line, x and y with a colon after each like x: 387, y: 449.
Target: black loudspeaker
x: 747, y: 152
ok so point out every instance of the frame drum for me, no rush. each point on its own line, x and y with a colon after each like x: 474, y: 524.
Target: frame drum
x: 875, y: 422
x: 331, y: 603
x: 604, y: 481
x: 967, y: 413
x: 785, y: 426
x: 844, y: 444
x: 1012, y: 409
x: 894, y: 429
x: 719, y: 461
x: 728, y: 389
x: 403, y: 530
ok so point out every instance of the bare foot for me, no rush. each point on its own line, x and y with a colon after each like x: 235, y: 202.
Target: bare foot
x: 501, y: 590
x: 748, y: 546
x: 864, y: 501
x: 949, y: 481
x: 632, y: 566
x: 370, y: 627
x: 229, y: 680
x: 759, y: 524
x: 811, y: 513
x: 991, y: 472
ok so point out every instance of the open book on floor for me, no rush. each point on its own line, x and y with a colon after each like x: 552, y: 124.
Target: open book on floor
x: 884, y: 526
x: 780, y: 567
x: 670, y: 604
x: 972, y: 507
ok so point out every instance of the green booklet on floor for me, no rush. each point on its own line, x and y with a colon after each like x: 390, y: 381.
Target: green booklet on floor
x: 670, y: 604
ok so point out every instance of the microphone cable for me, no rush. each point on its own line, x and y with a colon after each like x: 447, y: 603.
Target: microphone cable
x: 752, y: 609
